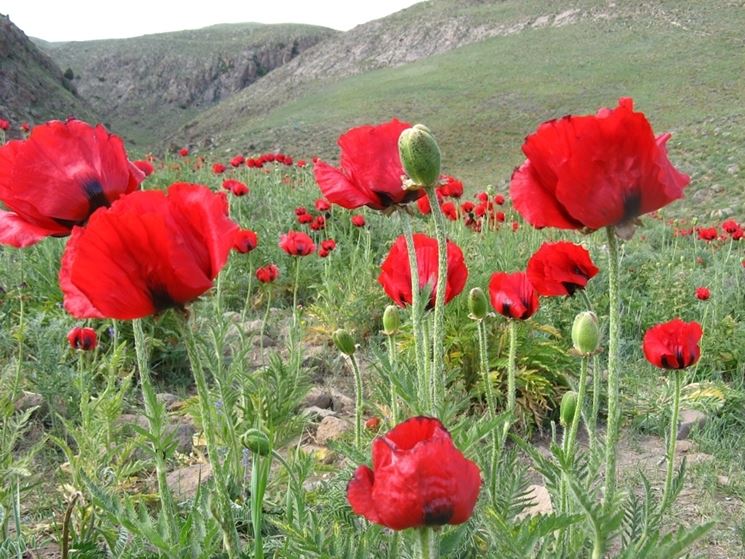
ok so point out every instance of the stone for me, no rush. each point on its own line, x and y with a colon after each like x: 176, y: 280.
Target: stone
x: 170, y: 401
x: 183, y: 432
x: 318, y: 397
x: 541, y: 502
x: 341, y: 403
x: 689, y: 419
x: 30, y: 400
x: 185, y: 481
x: 683, y: 446
x: 331, y: 428
x: 314, y: 412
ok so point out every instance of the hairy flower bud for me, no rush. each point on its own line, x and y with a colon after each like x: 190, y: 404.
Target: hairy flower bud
x: 567, y: 408
x: 478, y: 306
x: 420, y: 155
x: 257, y: 442
x: 344, y: 341
x: 586, y: 333
x: 391, y: 320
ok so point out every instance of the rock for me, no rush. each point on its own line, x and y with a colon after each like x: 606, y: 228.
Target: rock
x: 683, y: 446
x: 331, y: 428
x: 341, y: 403
x: 184, y: 482
x: 315, y: 412
x: 541, y: 502
x: 317, y: 397
x: 30, y: 400
x: 183, y: 433
x: 688, y: 420
x: 134, y: 419
x: 170, y: 401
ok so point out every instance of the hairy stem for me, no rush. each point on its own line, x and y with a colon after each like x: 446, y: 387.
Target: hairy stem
x: 358, y: 403
x: 672, y: 440
x: 428, y: 545
x: 614, y: 412
x: 438, y: 366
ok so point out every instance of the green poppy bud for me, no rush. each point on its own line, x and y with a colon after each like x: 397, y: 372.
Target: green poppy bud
x: 344, y: 341
x: 567, y: 408
x: 391, y: 320
x: 420, y: 155
x: 586, y: 333
x: 478, y: 306
x: 257, y: 442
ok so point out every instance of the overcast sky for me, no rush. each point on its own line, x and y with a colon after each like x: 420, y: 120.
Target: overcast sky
x: 82, y: 20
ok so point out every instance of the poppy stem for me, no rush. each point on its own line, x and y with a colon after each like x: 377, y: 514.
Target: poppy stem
x: 581, y: 390
x: 491, y: 400
x: 614, y: 311
x: 671, y: 442
x: 263, y: 325
x: 358, y: 404
x: 392, y: 361
x: 294, y: 292
x: 511, y: 373
x: 416, y: 309
x: 438, y: 368
x: 154, y: 412
x: 429, y: 547
x: 592, y: 424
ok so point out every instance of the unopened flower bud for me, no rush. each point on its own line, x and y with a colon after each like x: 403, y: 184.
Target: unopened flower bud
x: 586, y: 333
x: 344, y: 341
x: 391, y: 320
x: 478, y: 306
x: 567, y: 408
x: 257, y: 442
x: 420, y: 155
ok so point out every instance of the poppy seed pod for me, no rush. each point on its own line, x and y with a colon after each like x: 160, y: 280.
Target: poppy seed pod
x: 344, y: 341
x: 420, y: 155
x: 391, y: 320
x: 586, y: 333
x: 477, y: 303
x: 257, y: 442
x: 567, y: 408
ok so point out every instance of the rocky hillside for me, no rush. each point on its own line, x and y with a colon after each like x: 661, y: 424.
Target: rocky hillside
x: 32, y: 87
x: 149, y: 85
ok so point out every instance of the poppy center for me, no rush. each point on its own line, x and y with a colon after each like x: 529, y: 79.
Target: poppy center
x: 438, y: 512
x: 96, y: 196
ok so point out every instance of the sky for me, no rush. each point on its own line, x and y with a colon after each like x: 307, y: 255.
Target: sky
x: 84, y: 20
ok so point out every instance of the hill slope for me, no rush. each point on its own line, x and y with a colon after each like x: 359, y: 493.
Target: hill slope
x: 678, y: 60
x: 32, y: 87
x: 146, y: 86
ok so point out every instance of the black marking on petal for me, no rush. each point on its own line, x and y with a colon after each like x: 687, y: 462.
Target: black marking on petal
x: 438, y: 512
x: 96, y: 196
x: 161, y: 299
x: 632, y: 204
x: 570, y: 287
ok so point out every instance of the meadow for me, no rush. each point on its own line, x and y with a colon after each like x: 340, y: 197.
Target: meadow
x: 230, y: 416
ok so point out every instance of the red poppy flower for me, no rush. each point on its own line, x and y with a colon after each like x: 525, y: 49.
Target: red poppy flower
x: 328, y: 244
x: 424, y: 206
x: 84, y: 339
x: 450, y: 187
x: 358, y: 220
x: 25, y: 127
x: 560, y: 268
x: 499, y: 216
x: 145, y: 166
x: 304, y: 219
x: 237, y: 161
x: 512, y: 295
x: 395, y: 273
x: 370, y: 171
x: 245, y: 241
x: 322, y: 205
x: 297, y: 243
x: 373, y: 423
x: 150, y: 251
x: 267, y: 274
x: 318, y: 223
x: 483, y: 197
x: 515, y: 226
x: 703, y: 293
x: 673, y: 345
x: 450, y: 211
x: 57, y: 178
x: 730, y: 226
x: 301, y: 163
x: 4, y: 124
x: 418, y: 478
x: 253, y: 163
x: 594, y: 171
x: 236, y: 187
x: 708, y: 233
x: 218, y: 168
x: 467, y: 206
x: 183, y: 152
x: 499, y: 199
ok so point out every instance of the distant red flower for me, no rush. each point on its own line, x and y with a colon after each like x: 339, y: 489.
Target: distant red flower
x: 304, y: 219
x: 4, y: 124
x: 358, y: 220
x: 738, y: 234
x: 253, y: 163
x: 267, y: 274
x: 450, y: 211
x: 145, y: 166
x: 301, y: 163
x: 328, y: 244
x: 482, y: 197
x: 499, y: 199
x: 595, y: 171
x: 467, y: 206
x: 673, y: 345
x: 395, y: 273
x: 322, y: 205
x: 218, y: 168
x: 300, y: 211
x: 423, y: 205
x: 515, y: 226
x: 708, y: 233
x: 373, y: 423
x: 245, y: 240
x: 84, y: 339
x: 318, y: 223
x: 703, y: 293
x: 57, y: 177
x: 370, y: 171
x: 25, y: 127
x: 237, y: 161
x: 297, y: 243
x: 499, y: 216
x: 183, y: 152
x: 149, y: 252
x: 560, y: 268
x: 513, y: 296
x: 730, y: 226
x: 235, y: 187
x: 450, y: 187
x: 418, y: 478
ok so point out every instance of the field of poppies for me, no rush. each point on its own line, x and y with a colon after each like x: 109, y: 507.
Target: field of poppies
x: 264, y: 356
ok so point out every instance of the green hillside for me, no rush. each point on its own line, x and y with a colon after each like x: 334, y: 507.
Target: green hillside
x: 683, y: 63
